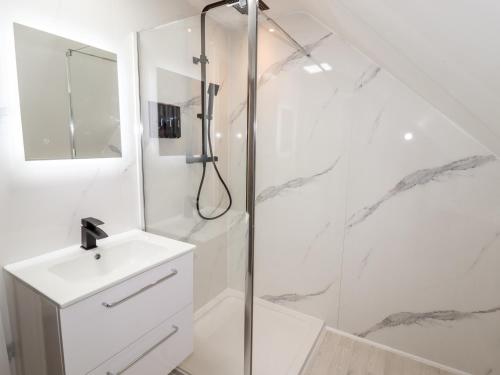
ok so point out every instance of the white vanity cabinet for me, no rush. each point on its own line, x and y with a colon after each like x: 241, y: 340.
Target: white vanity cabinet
x: 142, y: 324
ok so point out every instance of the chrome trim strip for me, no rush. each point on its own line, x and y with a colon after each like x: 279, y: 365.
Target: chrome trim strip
x: 114, y: 304
x: 253, y: 15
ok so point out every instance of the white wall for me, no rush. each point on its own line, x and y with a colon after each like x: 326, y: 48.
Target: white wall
x: 41, y: 202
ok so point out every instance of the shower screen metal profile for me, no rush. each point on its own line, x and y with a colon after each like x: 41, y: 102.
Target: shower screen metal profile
x: 253, y: 29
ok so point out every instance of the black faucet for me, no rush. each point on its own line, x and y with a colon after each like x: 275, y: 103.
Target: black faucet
x: 90, y: 232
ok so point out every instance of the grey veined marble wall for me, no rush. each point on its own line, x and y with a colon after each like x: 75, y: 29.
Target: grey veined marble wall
x: 375, y: 212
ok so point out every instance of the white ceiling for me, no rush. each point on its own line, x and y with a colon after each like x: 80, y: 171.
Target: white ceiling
x: 448, y: 51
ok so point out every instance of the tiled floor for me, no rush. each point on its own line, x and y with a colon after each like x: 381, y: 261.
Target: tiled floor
x: 341, y: 355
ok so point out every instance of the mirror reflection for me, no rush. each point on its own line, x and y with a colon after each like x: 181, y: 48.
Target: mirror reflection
x: 68, y: 93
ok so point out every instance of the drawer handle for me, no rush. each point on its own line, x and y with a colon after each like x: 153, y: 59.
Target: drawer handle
x: 175, y: 329
x: 114, y: 304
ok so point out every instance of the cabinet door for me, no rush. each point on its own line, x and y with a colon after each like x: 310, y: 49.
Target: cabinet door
x: 101, y: 326
x: 156, y: 353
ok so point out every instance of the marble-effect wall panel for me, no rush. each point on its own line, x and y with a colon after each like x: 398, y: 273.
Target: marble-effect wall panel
x: 374, y: 211
x: 420, y: 251
x: 303, y: 137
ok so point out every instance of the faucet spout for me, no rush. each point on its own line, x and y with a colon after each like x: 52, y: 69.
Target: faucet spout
x: 91, y: 233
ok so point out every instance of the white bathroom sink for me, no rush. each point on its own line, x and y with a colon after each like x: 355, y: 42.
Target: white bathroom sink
x: 117, y: 259
x: 69, y: 275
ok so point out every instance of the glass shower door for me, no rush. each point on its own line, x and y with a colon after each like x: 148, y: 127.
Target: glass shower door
x: 376, y: 216
x: 179, y: 189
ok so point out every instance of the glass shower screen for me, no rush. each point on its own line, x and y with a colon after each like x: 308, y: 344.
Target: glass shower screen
x: 182, y: 139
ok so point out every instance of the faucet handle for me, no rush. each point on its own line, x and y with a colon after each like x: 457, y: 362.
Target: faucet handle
x: 91, y: 222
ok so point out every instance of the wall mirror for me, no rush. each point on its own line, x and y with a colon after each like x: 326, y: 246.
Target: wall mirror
x: 68, y: 92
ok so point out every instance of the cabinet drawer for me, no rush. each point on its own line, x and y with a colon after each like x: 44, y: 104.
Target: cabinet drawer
x: 156, y: 353
x: 97, y: 328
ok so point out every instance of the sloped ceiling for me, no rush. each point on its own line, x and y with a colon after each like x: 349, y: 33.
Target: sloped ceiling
x: 448, y: 51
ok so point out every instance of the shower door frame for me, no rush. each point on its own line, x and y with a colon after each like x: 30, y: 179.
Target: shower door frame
x: 253, y: 19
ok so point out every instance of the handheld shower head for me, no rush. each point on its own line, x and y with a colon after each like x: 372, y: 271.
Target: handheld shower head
x: 213, y: 90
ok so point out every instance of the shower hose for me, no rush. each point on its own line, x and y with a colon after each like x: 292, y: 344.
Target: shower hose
x: 200, y: 188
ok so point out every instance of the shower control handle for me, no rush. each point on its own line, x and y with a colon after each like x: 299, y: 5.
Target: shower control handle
x: 193, y: 159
